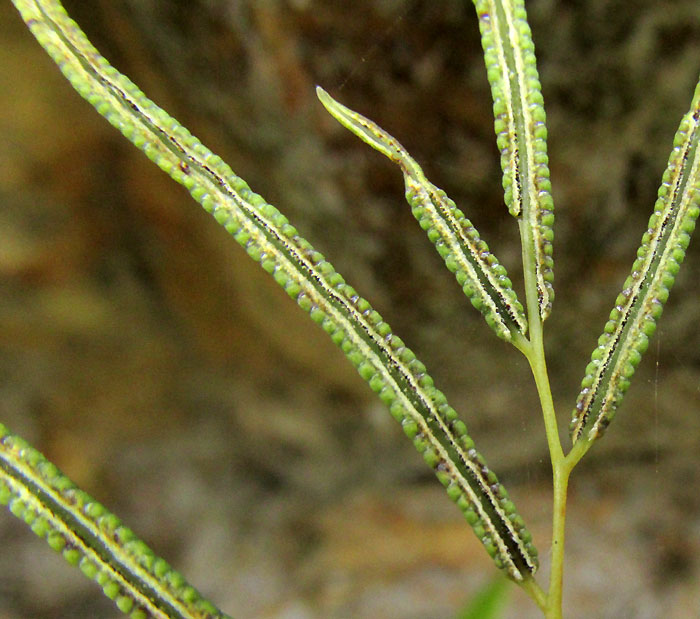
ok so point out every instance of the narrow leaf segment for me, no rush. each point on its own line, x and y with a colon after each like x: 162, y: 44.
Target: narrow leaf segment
x: 381, y: 358
x: 483, y: 279
x: 640, y: 304
x: 88, y: 536
x: 521, y: 133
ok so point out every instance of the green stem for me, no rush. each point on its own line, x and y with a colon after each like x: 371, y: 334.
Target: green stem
x: 530, y: 586
x: 577, y: 452
x: 561, y: 468
x: 533, y: 349
x: 556, y: 574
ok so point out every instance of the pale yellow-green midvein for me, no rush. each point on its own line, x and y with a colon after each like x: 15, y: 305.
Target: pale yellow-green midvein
x: 510, y: 65
x: 521, y: 122
x: 639, y: 305
x: 484, y: 279
x: 381, y: 358
x: 93, y: 538
x: 520, y: 130
x: 39, y: 509
x: 503, y: 308
x: 476, y: 495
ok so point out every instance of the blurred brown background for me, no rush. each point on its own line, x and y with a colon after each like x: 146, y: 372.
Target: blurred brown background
x: 144, y: 353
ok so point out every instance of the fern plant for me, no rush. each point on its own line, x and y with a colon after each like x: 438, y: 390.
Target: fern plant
x: 144, y: 585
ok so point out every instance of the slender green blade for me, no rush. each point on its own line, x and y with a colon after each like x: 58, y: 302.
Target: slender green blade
x: 380, y: 357
x: 93, y: 539
x: 639, y: 306
x: 521, y: 132
x: 483, y: 279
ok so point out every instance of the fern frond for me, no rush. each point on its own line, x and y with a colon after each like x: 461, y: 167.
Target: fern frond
x: 483, y: 279
x: 518, y: 108
x: 91, y: 538
x: 381, y: 358
x: 640, y: 304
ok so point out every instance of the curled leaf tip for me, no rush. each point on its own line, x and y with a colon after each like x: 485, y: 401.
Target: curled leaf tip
x: 482, y: 277
x: 368, y: 131
x: 380, y: 357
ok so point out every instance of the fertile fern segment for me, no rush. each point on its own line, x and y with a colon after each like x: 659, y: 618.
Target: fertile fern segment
x: 381, y: 358
x: 640, y: 304
x: 521, y: 133
x: 483, y: 279
x: 88, y: 536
